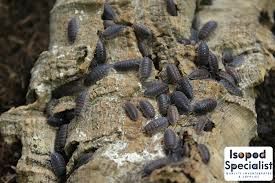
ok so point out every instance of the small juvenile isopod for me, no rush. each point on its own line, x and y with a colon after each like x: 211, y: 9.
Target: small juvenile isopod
x: 231, y: 88
x: 207, y: 29
x: 156, y: 89
x: 181, y: 101
x: 80, y: 101
x: 170, y: 140
x: 73, y: 27
x: 127, y: 65
x: 184, y: 85
x: 147, y: 109
x: 131, y: 111
x: 108, y: 13
x: 58, y: 164
x: 100, y: 52
x: 60, y: 138
x: 199, y: 74
x: 97, y: 74
x: 172, y: 114
x: 232, y: 72
x: 155, y: 164
x: 172, y: 73
x: 205, y: 106
x: 156, y: 125
x: 145, y: 68
x: 213, y: 64
x: 172, y: 8
x: 203, y: 54
x: 204, y: 153
x: 112, y: 31
x: 141, y: 31
x: 144, y: 48
x: 163, y: 103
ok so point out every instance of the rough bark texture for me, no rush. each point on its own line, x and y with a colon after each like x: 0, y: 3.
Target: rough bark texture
x: 121, y: 149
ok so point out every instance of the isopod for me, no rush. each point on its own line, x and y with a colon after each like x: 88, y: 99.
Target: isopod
x: 108, y: 13
x: 97, y: 74
x: 60, y: 138
x: 203, y: 54
x: 156, y: 125
x: 163, y: 103
x: 73, y: 27
x: 58, y: 164
x: 199, y: 74
x: 108, y: 23
x: 181, y: 101
x: 144, y: 48
x: 232, y: 72
x: 84, y: 159
x: 55, y: 121
x: 184, y: 41
x: 100, y: 52
x: 147, y: 109
x: 172, y: 8
x: 207, y: 29
x: 204, y: 153
x: 127, y: 65
x: 131, y: 111
x: 205, y: 106
x: 231, y: 88
x: 170, y: 140
x: 156, y: 89
x: 68, y: 89
x: 184, y: 85
x: 172, y: 114
x: 80, y: 101
x: 142, y: 32
x: 194, y: 37
x: 145, y: 68
x: 172, y: 73
x: 213, y: 63
x: 225, y: 76
x: 155, y: 164
x: 112, y: 31
x: 227, y: 56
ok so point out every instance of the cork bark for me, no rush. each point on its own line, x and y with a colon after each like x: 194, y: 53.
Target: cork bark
x: 120, y: 148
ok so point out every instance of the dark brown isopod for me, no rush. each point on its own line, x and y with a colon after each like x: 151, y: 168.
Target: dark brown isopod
x: 100, y: 52
x: 73, y: 27
x: 80, y: 101
x: 170, y: 140
x: 227, y: 56
x: 163, y: 103
x: 173, y: 115
x: 144, y: 48
x: 127, y: 65
x: 232, y: 72
x: 55, y: 121
x: 142, y: 32
x: 231, y: 88
x: 172, y: 73
x: 155, y: 164
x: 108, y: 13
x: 199, y: 74
x: 147, y: 109
x: 181, y: 101
x: 131, y: 111
x: 203, y: 54
x: 145, y: 68
x: 205, y: 106
x: 207, y: 29
x: 60, y: 138
x: 58, y: 164
x: 97, y: 74
x: 225, y: 76
x: 68, y: 89
x: 112, y: 31
x: 184, y: 85
x: 156, y: 89
x: 156, y: 125
x: 204, y: 153
x: 213, y: 64
x: 172, y: 8
x: 108, y: 23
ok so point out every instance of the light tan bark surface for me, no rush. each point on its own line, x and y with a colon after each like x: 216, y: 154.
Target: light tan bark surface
x: 122, y: 148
